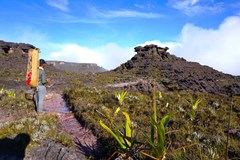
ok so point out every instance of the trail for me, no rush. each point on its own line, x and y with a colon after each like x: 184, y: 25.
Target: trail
x: 84, y: 139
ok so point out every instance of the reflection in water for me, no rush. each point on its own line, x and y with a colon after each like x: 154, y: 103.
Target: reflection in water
x: 56, y: 104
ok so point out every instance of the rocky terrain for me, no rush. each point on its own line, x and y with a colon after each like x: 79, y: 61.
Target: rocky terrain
x: 14, y: 48
x: 151, y: 61
x: 75, y: 94
x: 13, y: 63
x: 176, y: 73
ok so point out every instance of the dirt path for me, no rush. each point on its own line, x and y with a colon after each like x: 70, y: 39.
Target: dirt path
x: 84, y: 139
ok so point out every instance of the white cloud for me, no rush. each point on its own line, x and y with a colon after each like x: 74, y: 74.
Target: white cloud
x: 114, y: 55
x: 67, y: 18
x: 59, y: 4
x: 124, y: 14
x: 75, y: 53
x: 218, y: 48
x: 196, y: 7
x: 108, y: 56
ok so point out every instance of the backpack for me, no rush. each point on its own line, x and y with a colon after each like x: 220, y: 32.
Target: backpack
x: 32, y: 74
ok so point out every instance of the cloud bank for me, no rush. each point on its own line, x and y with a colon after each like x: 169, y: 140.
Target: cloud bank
x: 75, y: 53
x: 218, y: 48
x: 108, y: 56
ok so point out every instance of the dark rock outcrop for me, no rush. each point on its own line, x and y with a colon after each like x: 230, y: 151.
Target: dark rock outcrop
x: 50, y: 150
x: 176, y: 73
x: 14, y: 48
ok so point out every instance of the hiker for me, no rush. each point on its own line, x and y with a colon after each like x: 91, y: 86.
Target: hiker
x: 41, y: 88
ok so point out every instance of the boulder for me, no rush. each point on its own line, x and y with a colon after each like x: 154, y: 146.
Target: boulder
x: 50, y: 150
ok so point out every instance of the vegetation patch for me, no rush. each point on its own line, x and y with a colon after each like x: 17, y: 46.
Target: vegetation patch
x: 198, y: 128
x: 20, y: 118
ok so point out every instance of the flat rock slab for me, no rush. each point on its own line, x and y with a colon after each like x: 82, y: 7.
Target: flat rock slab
x: 50, y: 150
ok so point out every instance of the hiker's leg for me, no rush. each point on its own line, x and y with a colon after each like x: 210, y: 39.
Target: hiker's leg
x: 35, y: 98
x: 41, y: 95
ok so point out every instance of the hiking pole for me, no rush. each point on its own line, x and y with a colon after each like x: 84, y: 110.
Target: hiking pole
x: 229, y: 120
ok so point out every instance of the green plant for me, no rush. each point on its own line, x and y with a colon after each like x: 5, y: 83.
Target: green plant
x: 11, y: 94
x: 154, y: 105
x: 192, y: 113
x: 65, y: 139
x: 2, y: 90
x: 123, y: 138
x: 195, y: 105
x: 120, y: 96
x: 158, y: 144
x: 160, y: 95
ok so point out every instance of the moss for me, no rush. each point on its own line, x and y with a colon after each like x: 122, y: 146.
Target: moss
x: 39, y: 128
x: 23, y: 119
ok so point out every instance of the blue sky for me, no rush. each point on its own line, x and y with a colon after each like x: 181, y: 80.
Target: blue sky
x: 105, y: 32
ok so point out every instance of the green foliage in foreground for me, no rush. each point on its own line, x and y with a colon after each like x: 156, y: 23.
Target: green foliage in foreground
x: 123, y: 138
x: 23, y: 119
x: 207, y: 128
x: 120, y: 96
x: 9, y: 93
x: 38, y: 128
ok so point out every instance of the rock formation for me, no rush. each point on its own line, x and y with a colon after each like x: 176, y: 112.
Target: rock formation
x: 174, y: 73
x: 17, y: 48
x: 50, y: 150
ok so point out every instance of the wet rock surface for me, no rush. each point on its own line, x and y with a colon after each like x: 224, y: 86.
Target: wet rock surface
x: 85, y: 140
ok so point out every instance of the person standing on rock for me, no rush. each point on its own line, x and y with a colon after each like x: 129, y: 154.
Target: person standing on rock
x: 41, y: 88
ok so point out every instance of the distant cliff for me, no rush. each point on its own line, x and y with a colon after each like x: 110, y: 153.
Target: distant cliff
x: 77, y: 67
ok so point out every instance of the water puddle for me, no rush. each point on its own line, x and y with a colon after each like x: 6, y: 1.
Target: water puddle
x: 54, y: 103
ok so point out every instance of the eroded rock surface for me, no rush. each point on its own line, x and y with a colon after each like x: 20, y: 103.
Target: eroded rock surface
x: 50, y: 150
x: 174, y: 73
